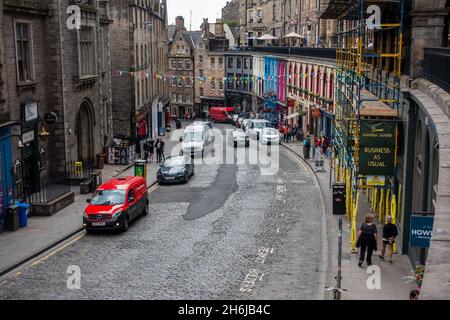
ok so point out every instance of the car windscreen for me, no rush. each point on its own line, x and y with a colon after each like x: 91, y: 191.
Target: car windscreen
x: 174, y: 162
x: 108, y: 197
x: 270, y: 132
x: 193, y: 136
x: 260, y: 125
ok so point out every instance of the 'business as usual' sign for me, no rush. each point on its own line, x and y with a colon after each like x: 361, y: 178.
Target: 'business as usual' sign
x: 421, y: 231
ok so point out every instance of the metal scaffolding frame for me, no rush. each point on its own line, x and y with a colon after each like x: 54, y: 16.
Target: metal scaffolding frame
x: 367, y: 86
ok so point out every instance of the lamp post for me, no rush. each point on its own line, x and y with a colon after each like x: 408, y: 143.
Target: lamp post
x: 308, y: 32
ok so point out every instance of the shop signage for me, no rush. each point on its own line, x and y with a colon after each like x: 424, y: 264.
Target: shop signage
x: 376, y: 181
x: 377, y: 147
x: 31, y: 111
x: 28, y: 137
x: 420, y: 231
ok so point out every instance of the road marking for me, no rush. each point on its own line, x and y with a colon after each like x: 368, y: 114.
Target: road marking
x: 59, y: 249
x: 278, y: 230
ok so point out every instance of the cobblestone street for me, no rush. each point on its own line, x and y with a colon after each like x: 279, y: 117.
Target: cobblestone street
x: 230, y: 233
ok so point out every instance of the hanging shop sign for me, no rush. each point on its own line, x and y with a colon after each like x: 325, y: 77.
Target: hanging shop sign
x: 31, y: 111
x: 377, y: 147
x: 28, y: 137
x: 421, y: 231
x: 376, y: 181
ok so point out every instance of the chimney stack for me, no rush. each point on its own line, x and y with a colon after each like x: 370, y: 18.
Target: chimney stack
x: 219, y: 30
x: 179, y: 23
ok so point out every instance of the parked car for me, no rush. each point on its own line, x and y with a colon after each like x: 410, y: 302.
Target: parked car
x: 175, y: 169
x: 239, y: 138
x: 270, y: 136
x: 197, y: 139
x: 256, y: 126
x: 116, y: 203
x: 221, y: 114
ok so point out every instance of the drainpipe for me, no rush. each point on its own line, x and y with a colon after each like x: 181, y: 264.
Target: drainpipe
x: 62, y: 79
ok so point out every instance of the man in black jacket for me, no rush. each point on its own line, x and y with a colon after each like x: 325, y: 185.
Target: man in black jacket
x: 389, y: 234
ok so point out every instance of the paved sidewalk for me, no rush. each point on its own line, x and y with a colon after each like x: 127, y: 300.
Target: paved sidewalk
x: 42, y: 232
x: 354, y: 278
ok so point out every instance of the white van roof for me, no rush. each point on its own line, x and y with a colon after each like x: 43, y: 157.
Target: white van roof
x: 259, y: 120
x: 199, y: 127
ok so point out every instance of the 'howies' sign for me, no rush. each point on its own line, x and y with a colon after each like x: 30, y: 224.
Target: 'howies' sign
x: 421, y: 231
x: 377, y: 147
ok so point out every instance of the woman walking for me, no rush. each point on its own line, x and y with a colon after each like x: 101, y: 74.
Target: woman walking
x: 367, y: 240
x: 151, y: 149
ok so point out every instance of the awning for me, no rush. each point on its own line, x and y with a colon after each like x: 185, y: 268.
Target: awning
x: 293, y: 35
x: 267, y: 37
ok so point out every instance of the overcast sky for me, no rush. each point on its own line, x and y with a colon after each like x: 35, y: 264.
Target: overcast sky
x: 210, y: 9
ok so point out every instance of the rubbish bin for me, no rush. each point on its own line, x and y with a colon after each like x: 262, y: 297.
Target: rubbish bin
x: 140, y: 169
x: 23, y: 214
x: 100, y: 161
x: 96, y: 178
x: 12, y: 218
x: 339, y: 204
x: 86, y: 186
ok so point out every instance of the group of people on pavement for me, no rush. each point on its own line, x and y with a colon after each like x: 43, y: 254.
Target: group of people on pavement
x: 149, y: 149
x: 291, y: 132
x: 367, y: 240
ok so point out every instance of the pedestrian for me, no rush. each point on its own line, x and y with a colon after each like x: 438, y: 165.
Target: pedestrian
x: 367, y: 239
x: 146, y: 150
x: 389, y: 233
x: 414, y: 294
x: 160, y: 151
x: 151, y: 148
x: 324, y: 145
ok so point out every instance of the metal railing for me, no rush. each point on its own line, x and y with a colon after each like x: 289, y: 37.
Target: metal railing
x: 436, y: 66
x: 43, y: 191
x: 83, y: 172
x: 324, y: 53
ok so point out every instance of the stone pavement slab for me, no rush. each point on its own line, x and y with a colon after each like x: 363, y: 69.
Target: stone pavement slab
x: 354, y: 278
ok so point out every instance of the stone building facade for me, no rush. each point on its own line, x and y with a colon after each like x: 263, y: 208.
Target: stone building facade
x: 52, y: 68
x: 139, y: 62
x: 281, y: 17
x: 55, y: 94
x: 181, y: 70
x: 209, y: 66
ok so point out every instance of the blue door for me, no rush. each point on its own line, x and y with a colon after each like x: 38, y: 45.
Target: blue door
x: 6, y: 183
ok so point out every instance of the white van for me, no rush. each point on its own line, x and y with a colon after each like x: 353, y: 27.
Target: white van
x: 255, y: 127
x: 197, y: 139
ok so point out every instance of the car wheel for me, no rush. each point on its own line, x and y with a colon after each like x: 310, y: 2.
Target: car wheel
x: 145, y: 211
x: 125, y: 225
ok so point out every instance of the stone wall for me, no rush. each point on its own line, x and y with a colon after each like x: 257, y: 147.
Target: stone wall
x: 436, y: 283
x: 231, y: 11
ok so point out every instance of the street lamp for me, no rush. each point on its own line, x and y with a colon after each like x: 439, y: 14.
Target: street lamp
x: 308, y: 32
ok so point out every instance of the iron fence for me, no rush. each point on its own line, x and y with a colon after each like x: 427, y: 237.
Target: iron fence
x: 79, y: 170
x: 437, y: 66
x: 43, y: 191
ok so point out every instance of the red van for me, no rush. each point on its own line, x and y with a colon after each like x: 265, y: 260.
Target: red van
x: 116, y: 203
x: 221, y: 114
